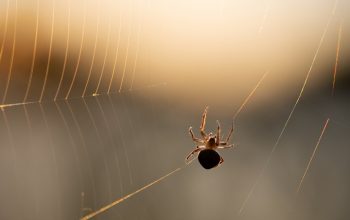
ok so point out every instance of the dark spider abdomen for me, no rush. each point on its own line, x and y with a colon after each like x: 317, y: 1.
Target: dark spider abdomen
x: 209, y: 158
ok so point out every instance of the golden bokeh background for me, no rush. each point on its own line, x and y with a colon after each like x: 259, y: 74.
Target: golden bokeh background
x: 198, y: 48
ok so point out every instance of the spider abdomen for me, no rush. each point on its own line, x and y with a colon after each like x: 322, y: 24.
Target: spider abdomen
x: 209, y: 158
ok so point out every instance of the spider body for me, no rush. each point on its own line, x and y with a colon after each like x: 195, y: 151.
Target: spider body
x: 209, y: 158
x: 206, y: 148
x: 211, y: 143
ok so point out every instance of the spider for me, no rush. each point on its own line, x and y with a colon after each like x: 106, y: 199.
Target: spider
x: 208, y: 157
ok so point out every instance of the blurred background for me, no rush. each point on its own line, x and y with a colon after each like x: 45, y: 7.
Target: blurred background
x: 97, y: 98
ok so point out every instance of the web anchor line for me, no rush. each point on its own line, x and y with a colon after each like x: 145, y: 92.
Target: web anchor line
x: 249, y: 96
x: 116, y: 202
x: 313, y: 155
x: 3, y: 106
x: 336, y: 58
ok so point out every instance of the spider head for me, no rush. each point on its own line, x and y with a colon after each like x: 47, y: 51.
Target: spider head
x: 211, y: 139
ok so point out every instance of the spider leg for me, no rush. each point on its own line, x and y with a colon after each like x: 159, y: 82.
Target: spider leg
x: 224, y: 145
x: 229, y: 134
x: 202, y: 127
x: 221, y: 160
x: 218, y: 134
x: 196, y: 150
x: 197, y: 140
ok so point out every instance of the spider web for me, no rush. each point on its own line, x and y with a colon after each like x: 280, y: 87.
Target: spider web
x: 78, y: 146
